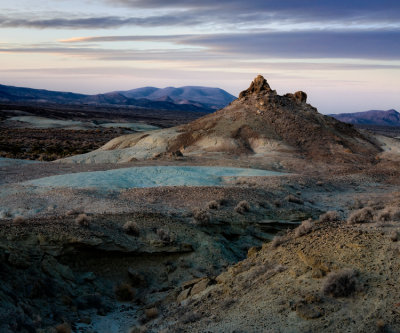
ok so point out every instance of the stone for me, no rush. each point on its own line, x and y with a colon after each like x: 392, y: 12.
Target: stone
x: 224, y: 277
x: 190, y: 283
x: 253, y: 251
x: 258, y: 85
x: 184, y: 295
x: 200, y: 286
x: 300, y: 96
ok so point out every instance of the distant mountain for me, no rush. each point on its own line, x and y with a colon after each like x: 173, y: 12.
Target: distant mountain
x: 213, y: 98
x: 372, y: 117
x: 16, y: 94
x: 193, y: 99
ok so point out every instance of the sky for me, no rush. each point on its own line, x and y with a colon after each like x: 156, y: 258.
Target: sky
x: 345, y: 54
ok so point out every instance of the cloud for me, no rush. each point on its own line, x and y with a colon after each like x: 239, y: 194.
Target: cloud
x: 96, y: 22
x: 291, y: 45
x: 306, y: 10
x: 232, y: 13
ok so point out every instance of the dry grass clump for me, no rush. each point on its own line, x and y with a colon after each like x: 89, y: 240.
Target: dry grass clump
x: 340, y: 284
x: 164, y: 235
x: 329, y: 216
x: 242, y: 207
x: 19, y: 219
x: 363, y: 215
x: 294, y: 199
x: 213, y: 204
x: 201, y: 216
x: 131, y: 228
x: 151, y: 313
x: 124, y: 292
x: 304, y: 228
x: 82, y: 220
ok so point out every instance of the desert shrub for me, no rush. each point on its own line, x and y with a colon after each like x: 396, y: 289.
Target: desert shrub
x: 131, y: 228
x: 384, y: 215
x: 329, y: 216
x: 151, y: 313
x: 82, y: 220
x: 304, y: 228
x: 242, y: 207
x: 213, y: 205
x: 277, y: 241
x: 394, y: 236
x: 201, y: 216
x: 138, y: 329
x: 363, y: 215
x: 277, y: 203
x: 164, y: 235
x: 227, y: 303
x: 71, y: 212
x: 294, y: 199
x: 340, y: 284
x: 18, y: 219
x: 63, y: 328
x: 124, y: 292
x: 396, y: 214
x: 358, y: 204
x: 191, y: 317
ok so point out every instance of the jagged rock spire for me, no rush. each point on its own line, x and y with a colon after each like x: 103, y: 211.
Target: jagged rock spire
x: 258, y: 85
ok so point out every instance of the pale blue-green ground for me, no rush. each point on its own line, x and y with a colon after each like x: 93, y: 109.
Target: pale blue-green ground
x: 152, y: 176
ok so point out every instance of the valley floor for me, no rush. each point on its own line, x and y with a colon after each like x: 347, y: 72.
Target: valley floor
x: 173, y: 258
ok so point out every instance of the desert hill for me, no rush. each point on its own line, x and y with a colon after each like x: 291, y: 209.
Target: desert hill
x: 189, y: 99
x: 213, y: 98
x: 371, y: 117
x: 259, y: 123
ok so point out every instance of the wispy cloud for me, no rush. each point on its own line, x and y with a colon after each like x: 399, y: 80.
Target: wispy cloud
x: 307, y: 10
x: 103, y: 22
x: 300, y: 44
x: 236, y: 13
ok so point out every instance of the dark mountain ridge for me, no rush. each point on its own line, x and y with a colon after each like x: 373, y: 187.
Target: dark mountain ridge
x: 191, y: 99
x: 371, y: 117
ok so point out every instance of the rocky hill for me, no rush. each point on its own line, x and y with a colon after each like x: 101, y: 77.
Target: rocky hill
x: 372, y: 117
x: 259, y: 123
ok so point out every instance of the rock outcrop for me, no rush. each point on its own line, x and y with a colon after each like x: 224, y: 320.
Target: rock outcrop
x: 260, y: 123
x: 259, y: 85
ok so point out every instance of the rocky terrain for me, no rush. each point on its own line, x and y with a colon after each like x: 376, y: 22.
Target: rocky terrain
x: 154, y: 233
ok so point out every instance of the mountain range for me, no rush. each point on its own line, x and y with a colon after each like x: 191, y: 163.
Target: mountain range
x: 371, y: 117
x: 191, y: 98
